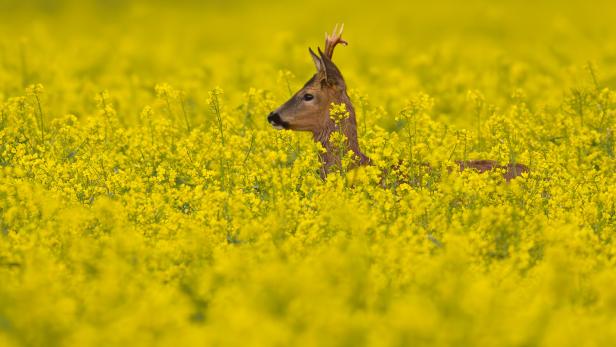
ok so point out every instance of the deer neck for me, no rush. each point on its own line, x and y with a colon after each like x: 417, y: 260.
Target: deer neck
x: 348, y: 126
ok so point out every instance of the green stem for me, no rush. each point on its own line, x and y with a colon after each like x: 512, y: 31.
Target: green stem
x: 185, y: 113
x: 216, y: 107
x: 40, y: 109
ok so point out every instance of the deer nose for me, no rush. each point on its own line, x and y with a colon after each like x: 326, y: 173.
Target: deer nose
x: 274, y: 119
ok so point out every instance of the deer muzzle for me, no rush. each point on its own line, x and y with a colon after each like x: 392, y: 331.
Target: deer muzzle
x: 277, y: 122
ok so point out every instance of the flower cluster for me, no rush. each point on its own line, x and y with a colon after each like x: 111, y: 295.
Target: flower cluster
x: 142, y: 213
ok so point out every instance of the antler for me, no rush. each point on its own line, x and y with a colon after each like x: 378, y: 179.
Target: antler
x: 332, y: 40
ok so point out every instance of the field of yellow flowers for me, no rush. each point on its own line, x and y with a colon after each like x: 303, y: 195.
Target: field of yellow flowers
x: 146, y: 201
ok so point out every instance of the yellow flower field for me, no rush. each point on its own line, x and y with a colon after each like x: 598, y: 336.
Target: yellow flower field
x: 146, y: 201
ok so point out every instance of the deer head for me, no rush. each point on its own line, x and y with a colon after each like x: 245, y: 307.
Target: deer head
x: 308, y: 109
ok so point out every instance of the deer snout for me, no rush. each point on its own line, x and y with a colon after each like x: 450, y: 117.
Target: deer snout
x: 277, y: 122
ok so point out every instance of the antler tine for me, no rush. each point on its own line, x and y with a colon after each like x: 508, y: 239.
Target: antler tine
x: 332, y: 40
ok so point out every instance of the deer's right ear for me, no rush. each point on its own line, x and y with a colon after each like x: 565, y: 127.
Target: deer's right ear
x: 318, y: 62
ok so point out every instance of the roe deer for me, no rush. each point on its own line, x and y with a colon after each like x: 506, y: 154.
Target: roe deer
x: 308, y: 110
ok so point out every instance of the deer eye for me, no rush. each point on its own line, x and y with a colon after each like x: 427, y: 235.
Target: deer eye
x: 308, y: 97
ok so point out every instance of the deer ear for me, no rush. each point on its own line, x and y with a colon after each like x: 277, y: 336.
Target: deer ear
x: 332, y: 74
x: 318, y: 63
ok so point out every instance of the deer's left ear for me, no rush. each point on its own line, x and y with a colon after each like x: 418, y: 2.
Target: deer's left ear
x: 318, y: 63
x: 332, y: 74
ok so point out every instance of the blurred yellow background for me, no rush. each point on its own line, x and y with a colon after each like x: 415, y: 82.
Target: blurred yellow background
x: 437, y: 47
